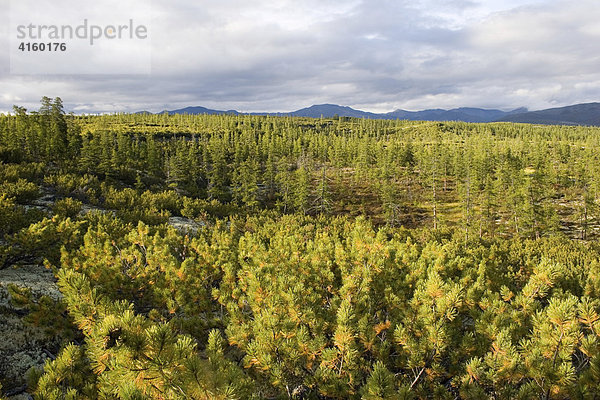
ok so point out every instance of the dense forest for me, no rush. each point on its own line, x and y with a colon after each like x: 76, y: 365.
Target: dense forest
x: 238, y: 257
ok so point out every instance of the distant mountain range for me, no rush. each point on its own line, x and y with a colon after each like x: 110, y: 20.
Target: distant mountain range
x: 457, y: 114
x: 579, y: 114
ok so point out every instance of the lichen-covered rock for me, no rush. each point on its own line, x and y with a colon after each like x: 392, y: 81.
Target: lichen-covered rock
x: 185, y: 225
x: 23, y: 346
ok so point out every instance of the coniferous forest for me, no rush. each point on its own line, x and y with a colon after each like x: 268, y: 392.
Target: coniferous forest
x: 254, y: 257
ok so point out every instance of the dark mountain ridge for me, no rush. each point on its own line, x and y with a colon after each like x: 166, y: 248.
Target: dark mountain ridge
x: 579, y: 114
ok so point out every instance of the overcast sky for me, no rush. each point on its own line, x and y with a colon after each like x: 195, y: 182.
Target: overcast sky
x: 375, y: 55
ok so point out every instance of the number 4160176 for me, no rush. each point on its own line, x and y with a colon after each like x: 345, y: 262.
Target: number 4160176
x: 50, y: 46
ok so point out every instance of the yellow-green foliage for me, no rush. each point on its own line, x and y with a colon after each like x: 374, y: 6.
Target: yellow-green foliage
x: 333, y: 308
x: 68, y: 207
x: 21, y: 190
x: 84, y: 187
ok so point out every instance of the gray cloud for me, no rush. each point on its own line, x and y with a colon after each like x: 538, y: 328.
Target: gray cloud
x: 377, y: 55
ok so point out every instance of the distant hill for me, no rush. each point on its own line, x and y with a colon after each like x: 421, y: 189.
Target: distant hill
x: 579, y: 114
x: 199, y: 110
x: 331, y: 110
